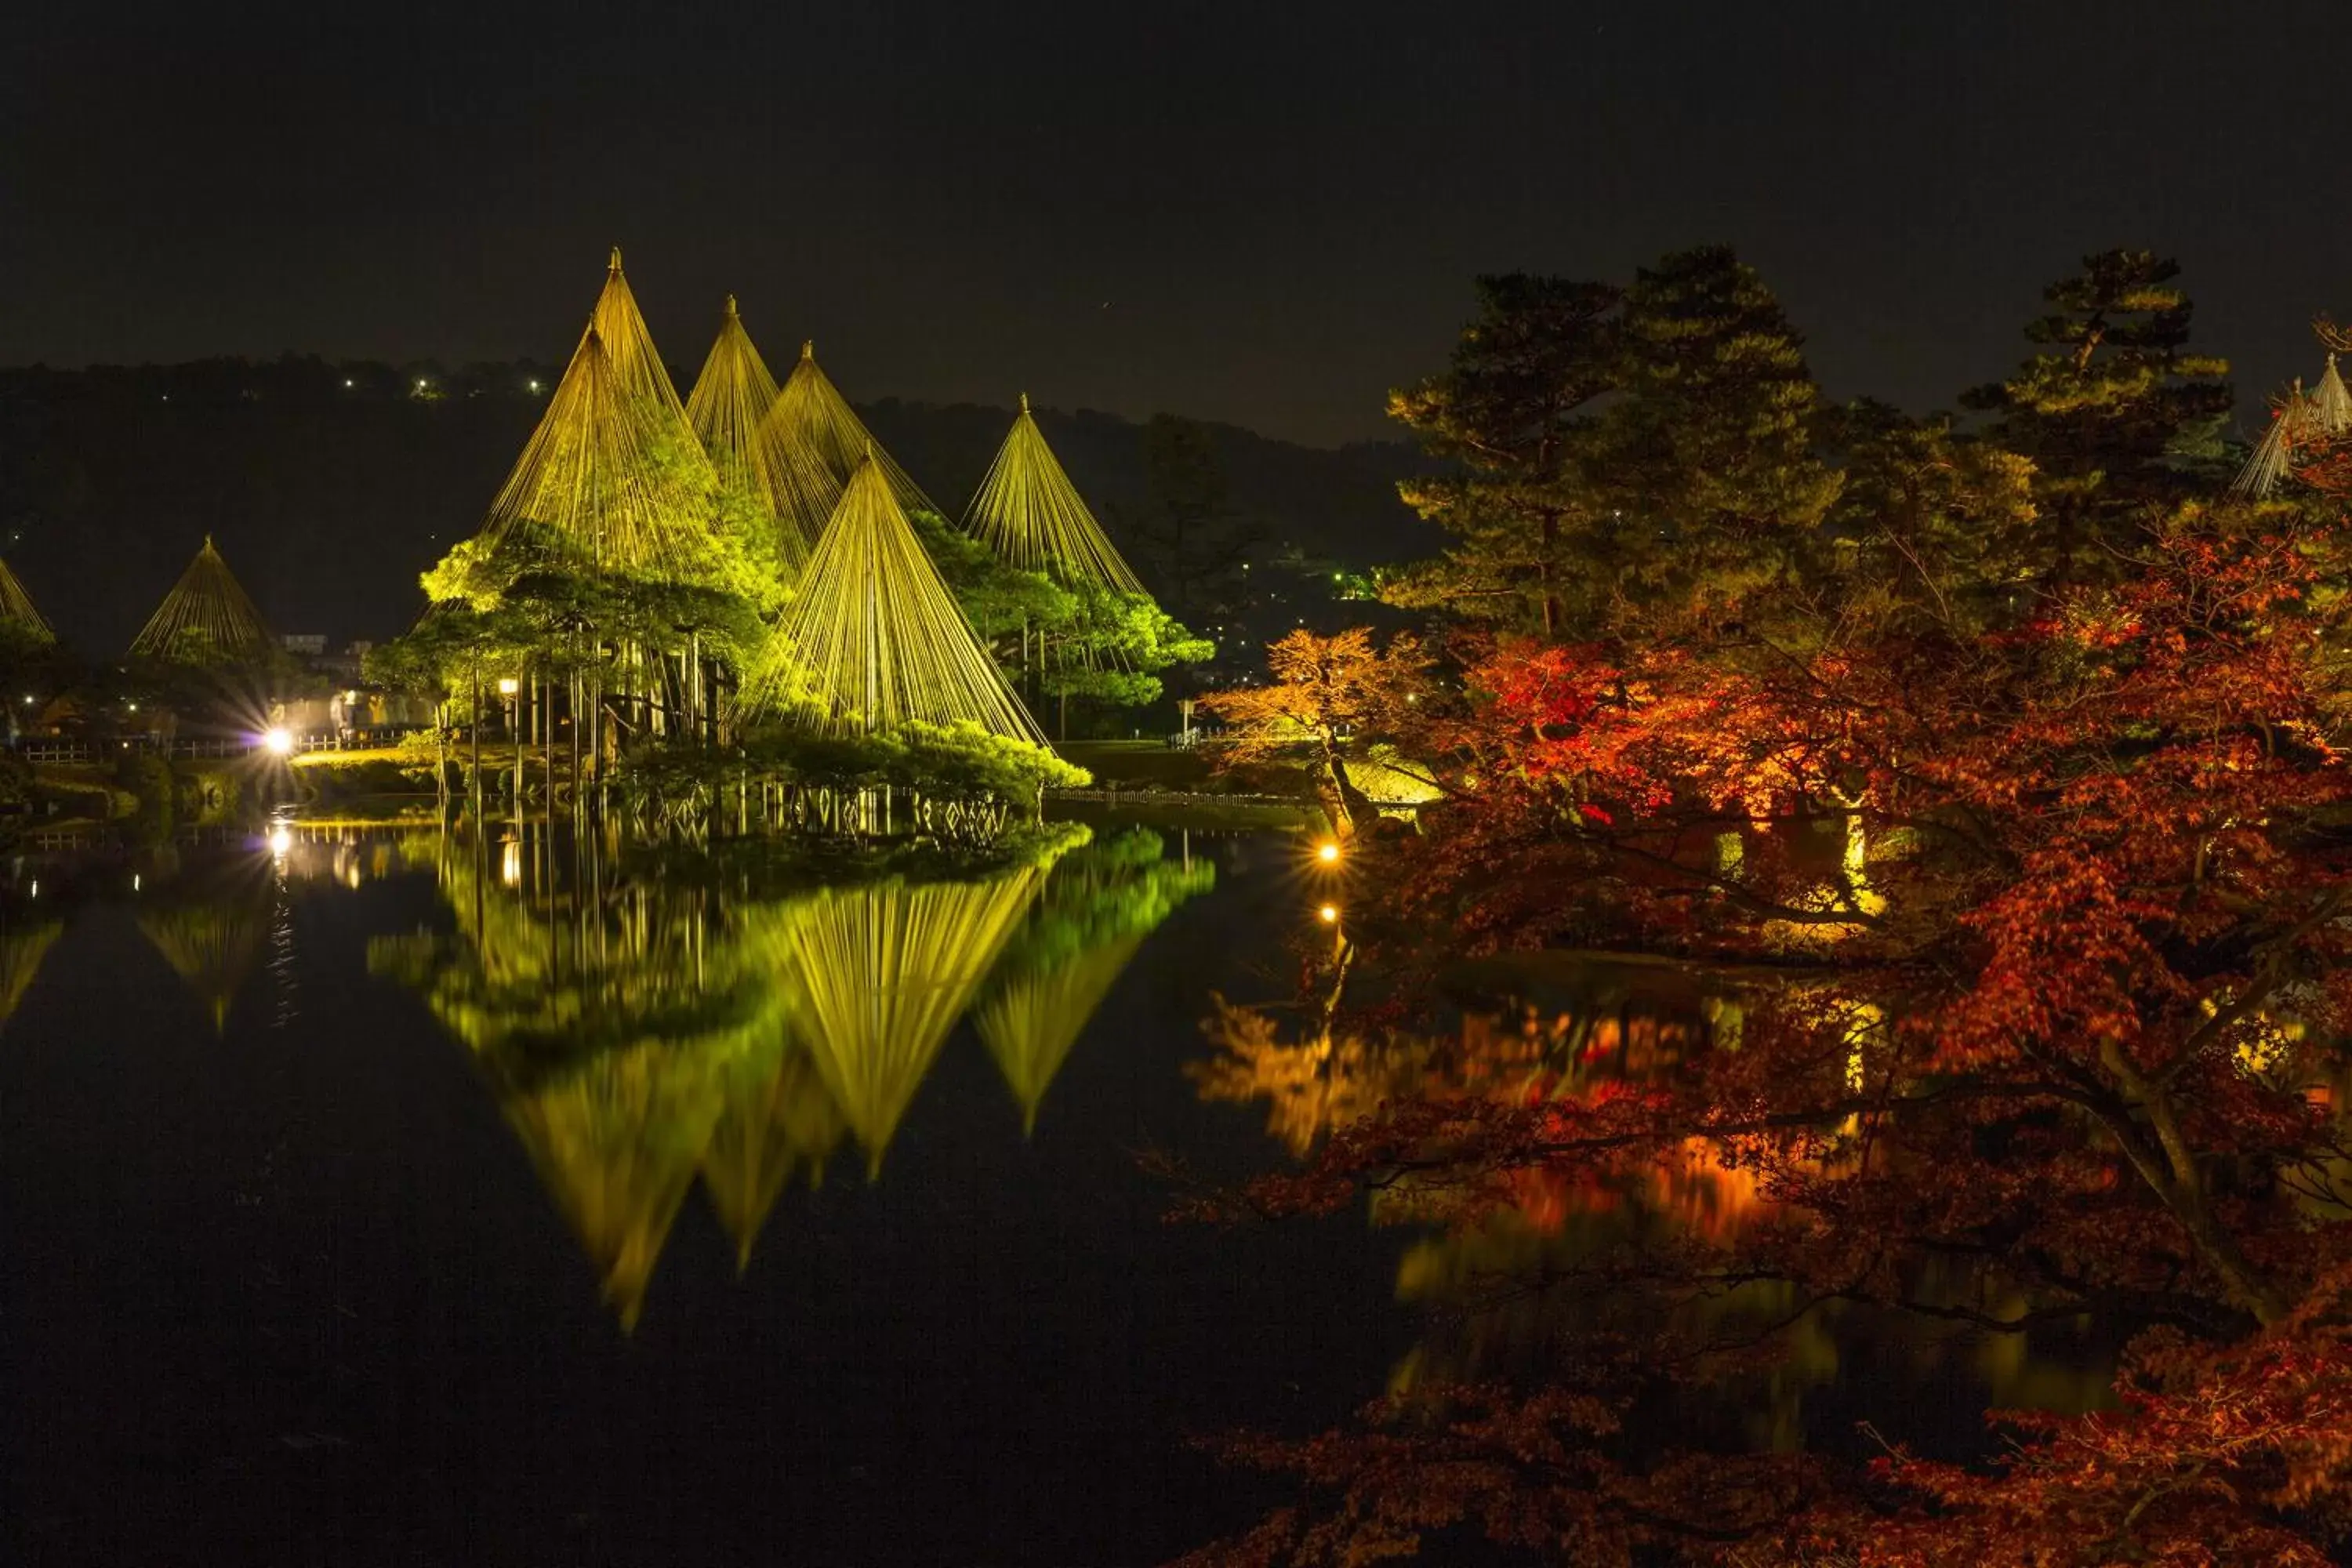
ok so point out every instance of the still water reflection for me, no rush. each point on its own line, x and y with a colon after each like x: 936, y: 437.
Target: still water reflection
x: 383, y: 1194
x: 644, y: 1035
x: 380, y: 1195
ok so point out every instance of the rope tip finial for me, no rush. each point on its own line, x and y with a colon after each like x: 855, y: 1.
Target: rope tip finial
x: 1024, y: 403
x: 615, y: 265
x: 730, y: 305
x: 808, y: 348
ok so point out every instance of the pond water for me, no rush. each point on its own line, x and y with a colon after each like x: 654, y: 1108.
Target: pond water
x: 388, y: 1194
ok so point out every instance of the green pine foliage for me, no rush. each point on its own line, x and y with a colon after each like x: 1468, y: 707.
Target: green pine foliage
x: 2120, y: 421
x: 1650, y: 447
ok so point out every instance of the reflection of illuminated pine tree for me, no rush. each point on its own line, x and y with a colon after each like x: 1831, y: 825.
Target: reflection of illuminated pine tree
x: 879, y: 974
x: 635, y: 1037
x: 214, y: 947
x: 617, y: 1141
x: 1030, y: 1022
x: 610, y: 1026
x: 21, y: 949
x: 1098, y: 906
x: 776, y: 1125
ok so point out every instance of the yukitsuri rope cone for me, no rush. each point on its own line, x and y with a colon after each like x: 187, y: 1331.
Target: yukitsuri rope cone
x: 612, y: 477
x: 878, y: 975
x: 206, y: 618
x: 1027, y: 511
x: 879, y: 636
x: 812, y: 426
x: 17, y: 608
x: 730, y: 402
x: 2300, y: 420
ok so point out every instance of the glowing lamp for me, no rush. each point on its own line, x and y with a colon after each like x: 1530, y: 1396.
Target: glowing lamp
x: 1328, y: 852
x: 278, y: 741
x: 509, y: 686
x: 281, y: 839
x: 1329, y: 914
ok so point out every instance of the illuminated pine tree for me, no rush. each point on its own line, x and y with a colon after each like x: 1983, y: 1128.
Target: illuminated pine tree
x: 730, y: 402
x: 19, y: 620
x: 812, y: 429
x: 1027, y: 511
x: 877, y: 636
x: 2116, y: 413
x: 206, y: 618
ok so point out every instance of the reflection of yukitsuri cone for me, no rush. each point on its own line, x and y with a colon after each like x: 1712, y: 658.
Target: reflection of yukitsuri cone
x: 1030, y: 1023
x: 214, y: 948
x: 813, y: 423
x: 17, y: 608
x: 1027, y: 511
x: 2331, y: 404
x: 205, y: 616
x: 878, y: 636
x: 730, y: 402
x: 879, y: 974
x: 617, y: 1143
x: 2273, y: 454
x: 772, y: 1128
x: 22, y: 948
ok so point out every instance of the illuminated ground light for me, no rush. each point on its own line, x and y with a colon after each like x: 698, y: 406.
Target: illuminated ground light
x: 1329, y: 914
x: 1328, y: 852
x: 277, y: 740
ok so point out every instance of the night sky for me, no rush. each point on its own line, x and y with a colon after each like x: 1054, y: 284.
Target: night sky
x: 1266, y: 213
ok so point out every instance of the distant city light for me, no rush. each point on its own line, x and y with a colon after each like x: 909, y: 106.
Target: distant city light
x: 534, y: 386
x: 420, y: 384
x: 348, y: 382
x: 279, y: 740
